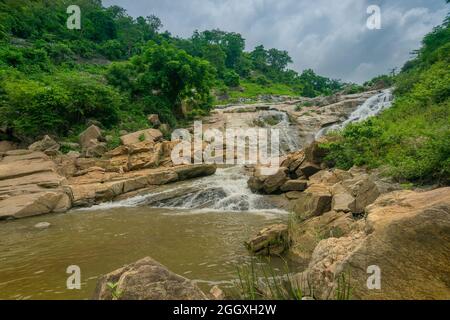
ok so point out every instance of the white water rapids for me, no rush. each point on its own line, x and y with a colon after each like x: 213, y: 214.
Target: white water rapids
x: 371, y: 107
x: 227, y: 190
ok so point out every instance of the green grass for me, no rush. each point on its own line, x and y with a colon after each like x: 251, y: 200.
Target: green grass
x: 253, y: 90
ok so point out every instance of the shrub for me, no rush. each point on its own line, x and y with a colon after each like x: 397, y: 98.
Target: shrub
x: 231, y: 79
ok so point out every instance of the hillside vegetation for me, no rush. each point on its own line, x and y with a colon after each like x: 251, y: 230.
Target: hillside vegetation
x: 117, y: 69
x: 412, y: 139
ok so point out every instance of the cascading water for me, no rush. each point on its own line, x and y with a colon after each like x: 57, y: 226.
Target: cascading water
x: 225, y: 191
x: 371, y: 107
x: 289, y: 140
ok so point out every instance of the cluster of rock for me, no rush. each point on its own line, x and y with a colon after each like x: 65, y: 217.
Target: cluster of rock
x: 404, y: 240
x: 347, y: 221
x: 41, y: 180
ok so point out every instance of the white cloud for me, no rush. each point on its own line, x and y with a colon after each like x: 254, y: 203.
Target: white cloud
x: 329, y: 36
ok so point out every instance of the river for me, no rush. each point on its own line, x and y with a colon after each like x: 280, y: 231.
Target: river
x: 195, y: 228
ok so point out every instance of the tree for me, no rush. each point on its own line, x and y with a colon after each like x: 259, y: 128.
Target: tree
x: 278, y: 60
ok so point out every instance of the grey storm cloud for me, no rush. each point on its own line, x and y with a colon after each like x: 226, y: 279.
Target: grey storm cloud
x: 329, y: 36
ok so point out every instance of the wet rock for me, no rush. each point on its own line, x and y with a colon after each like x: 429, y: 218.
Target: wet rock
x: 217, y: 293
x: 273, y: 240
x: 307, y: 169
x: 152, y: 135
x: 42, y: 225
x: 195, y: 171
x: 255, y: 184
x: 273, y: 183
x: 146, y: 279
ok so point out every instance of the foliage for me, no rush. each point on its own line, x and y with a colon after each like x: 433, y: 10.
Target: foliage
x: 260, y: 281
x: 55, y: 104
x: 412, y: 139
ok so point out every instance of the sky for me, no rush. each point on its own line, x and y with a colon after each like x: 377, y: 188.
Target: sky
x: 329, y: 36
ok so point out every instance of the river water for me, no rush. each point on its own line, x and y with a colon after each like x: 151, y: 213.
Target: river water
x: 195, y: 228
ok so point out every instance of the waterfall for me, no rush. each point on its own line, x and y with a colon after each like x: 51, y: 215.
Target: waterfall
x: 227, y: 190
x: 371, y: 107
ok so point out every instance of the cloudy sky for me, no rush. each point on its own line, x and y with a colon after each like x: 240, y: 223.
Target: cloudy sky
x: 329, y: 36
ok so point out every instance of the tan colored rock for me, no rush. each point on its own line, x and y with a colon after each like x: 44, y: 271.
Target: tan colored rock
x: 405, y: 236
x: 273, y: 240
x: 194, y: 171
x: 146, y: 279
x: 307, y: 234
x: 146, y: 159
x: 152, y: 135
x: 363, y: 189
x: 153, y: 119
x: 314, y: 153
x: 272, y: 184
x: 95, y: 149
x: 17, y: 168
x: 34, y: 204
x: 47, y: 145
x: 315, y: 201
x: 90, y: 136
x: 117, y: 152
x: 343, y: 202
x: 217, y: 293
x: 294, y: 185
x: 7, y: 146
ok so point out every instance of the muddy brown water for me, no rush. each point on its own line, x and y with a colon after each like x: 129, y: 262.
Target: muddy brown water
x: 203, y: 246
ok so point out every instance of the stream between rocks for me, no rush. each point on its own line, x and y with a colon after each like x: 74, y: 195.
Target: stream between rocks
x: 195, y: 228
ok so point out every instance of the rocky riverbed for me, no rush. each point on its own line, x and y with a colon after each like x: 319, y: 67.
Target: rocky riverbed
x: 342, y: 222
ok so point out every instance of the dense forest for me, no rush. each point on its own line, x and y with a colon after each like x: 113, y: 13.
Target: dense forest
x: 117, y: 69
x: 412, y: 139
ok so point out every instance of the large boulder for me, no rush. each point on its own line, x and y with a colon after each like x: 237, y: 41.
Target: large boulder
x: 273, y: 240
x: 272, y: 184
x: 91, y: 141
x: 90, y: 135
x: 315, y: 201
x: 307, y: 169
x: 47, y: 145
x: 405, y: 237
x: 307, y: 234
x: 34, y: 204
x: 146, y: 279
x: 294, y: 185
x: 195, y: 171
x: 152, y: 135
x: 361, y: 188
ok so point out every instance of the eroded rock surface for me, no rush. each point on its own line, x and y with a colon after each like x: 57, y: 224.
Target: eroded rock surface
x: 405, y: 235
x: 146, y: 279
